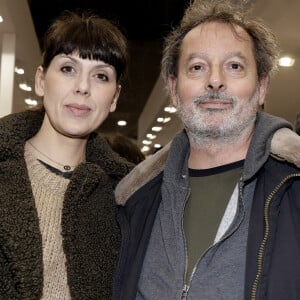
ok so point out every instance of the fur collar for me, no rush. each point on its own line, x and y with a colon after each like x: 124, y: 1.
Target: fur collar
x: 285, y: 145
x: 15, y: 129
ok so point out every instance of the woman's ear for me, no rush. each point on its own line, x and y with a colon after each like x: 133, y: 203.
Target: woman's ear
x: 113, y: 105
x: 39, y: 81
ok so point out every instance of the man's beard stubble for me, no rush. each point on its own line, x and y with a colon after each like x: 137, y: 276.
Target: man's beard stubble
x: 218, y: 125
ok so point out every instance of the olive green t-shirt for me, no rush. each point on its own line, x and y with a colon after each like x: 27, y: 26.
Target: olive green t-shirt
x: 211, y: 190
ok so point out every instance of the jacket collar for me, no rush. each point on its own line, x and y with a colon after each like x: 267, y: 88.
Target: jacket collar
x: 272, y: 135
x: 15, y: 129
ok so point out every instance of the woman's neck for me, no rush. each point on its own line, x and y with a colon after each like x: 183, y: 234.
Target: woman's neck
x: 61, y: 152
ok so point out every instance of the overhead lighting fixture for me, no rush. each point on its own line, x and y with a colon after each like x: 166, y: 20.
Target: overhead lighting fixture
x: 146, y: 142
x: 170, y: 109
x: 156, y: 128
x: 145, y: 149
x: 122, y: 123
x: 25, y: 87
x: 19, y: 71
x: 286, y: 61
x: 163, y: 120
x: 157, y: 146
x: 31, y: 102
x: 1, y: 19
x: 151, y: 136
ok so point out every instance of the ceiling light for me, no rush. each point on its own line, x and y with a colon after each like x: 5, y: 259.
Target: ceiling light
x: 25, y: 87
x: 19, y: 71
x: 1, y: 19
x: 151, y: 136
x: 156, y: 128
x: 146, y: 142
x: 163, y: 120
x: 286, y: 61
x: 157, y: 146
x: 170, y: 109
x: 145, y: 149
x: 31, y: 102
x: 122, y: 123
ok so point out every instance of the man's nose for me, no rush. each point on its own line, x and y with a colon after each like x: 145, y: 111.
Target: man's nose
x: 216, y: 80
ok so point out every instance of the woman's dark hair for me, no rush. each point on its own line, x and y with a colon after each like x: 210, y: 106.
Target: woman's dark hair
x: 93, y: 37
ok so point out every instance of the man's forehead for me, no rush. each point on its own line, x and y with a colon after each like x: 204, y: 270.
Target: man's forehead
x: 219, y: 37
x: 211, y: 28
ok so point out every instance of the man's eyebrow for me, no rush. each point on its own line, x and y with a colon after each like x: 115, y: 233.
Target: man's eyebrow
x: 237, y: 54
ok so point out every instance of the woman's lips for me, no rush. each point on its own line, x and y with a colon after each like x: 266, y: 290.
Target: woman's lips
x: 78, y: 110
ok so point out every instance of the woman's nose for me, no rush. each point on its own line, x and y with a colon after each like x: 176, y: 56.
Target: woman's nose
x: 82, y: 86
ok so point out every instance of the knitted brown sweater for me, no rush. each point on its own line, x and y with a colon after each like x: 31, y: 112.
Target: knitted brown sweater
x: 88, y: 231
x: 48, y: 191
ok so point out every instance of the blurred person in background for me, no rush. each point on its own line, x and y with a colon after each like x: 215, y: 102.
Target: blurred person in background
x: 125, y: 147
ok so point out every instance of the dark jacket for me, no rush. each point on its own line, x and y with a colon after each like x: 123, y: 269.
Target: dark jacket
x: 273, y: 251
x: 91, y: 237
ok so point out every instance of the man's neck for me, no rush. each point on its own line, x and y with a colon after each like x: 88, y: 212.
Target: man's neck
x: 216, y: 154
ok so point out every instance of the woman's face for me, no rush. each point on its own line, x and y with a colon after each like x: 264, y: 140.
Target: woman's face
x: 78, y: 94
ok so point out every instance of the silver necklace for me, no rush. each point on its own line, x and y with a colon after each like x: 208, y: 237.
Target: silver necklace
x: 65, y: 167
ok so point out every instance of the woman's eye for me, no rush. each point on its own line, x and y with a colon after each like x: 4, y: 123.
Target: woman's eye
x: 102, y: 77
x: 67, y: 69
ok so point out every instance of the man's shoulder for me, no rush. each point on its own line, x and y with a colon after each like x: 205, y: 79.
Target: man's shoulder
x: 144, y: 173
x: 285, y: 145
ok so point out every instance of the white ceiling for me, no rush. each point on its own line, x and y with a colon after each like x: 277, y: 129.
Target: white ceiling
x: 283, y: 17
x: 283, y: 98
x: 17, y: 20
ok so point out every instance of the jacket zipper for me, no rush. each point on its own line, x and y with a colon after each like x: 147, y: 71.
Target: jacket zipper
x: 184, y: 292
x: 266, y: 234
x: 186, y: 286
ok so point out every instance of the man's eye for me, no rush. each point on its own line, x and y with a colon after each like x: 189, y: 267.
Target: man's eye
x: 236, y: 66
x: 197, y: 67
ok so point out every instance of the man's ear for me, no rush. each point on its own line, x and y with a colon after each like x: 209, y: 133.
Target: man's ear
x: 172, y: 83
x: 113, y: 105
x: 263, y: 86
x: 39, y: 81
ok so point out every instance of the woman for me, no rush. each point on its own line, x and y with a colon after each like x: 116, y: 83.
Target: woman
x: 58, y: 234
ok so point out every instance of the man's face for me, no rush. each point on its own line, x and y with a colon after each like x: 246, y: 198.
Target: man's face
x: 216, y: 92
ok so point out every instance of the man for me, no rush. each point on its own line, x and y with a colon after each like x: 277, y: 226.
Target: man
x: 215, y: 215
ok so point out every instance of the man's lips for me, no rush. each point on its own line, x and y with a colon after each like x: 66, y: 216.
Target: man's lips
x: 214, y: 98
x: 214, y: 104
